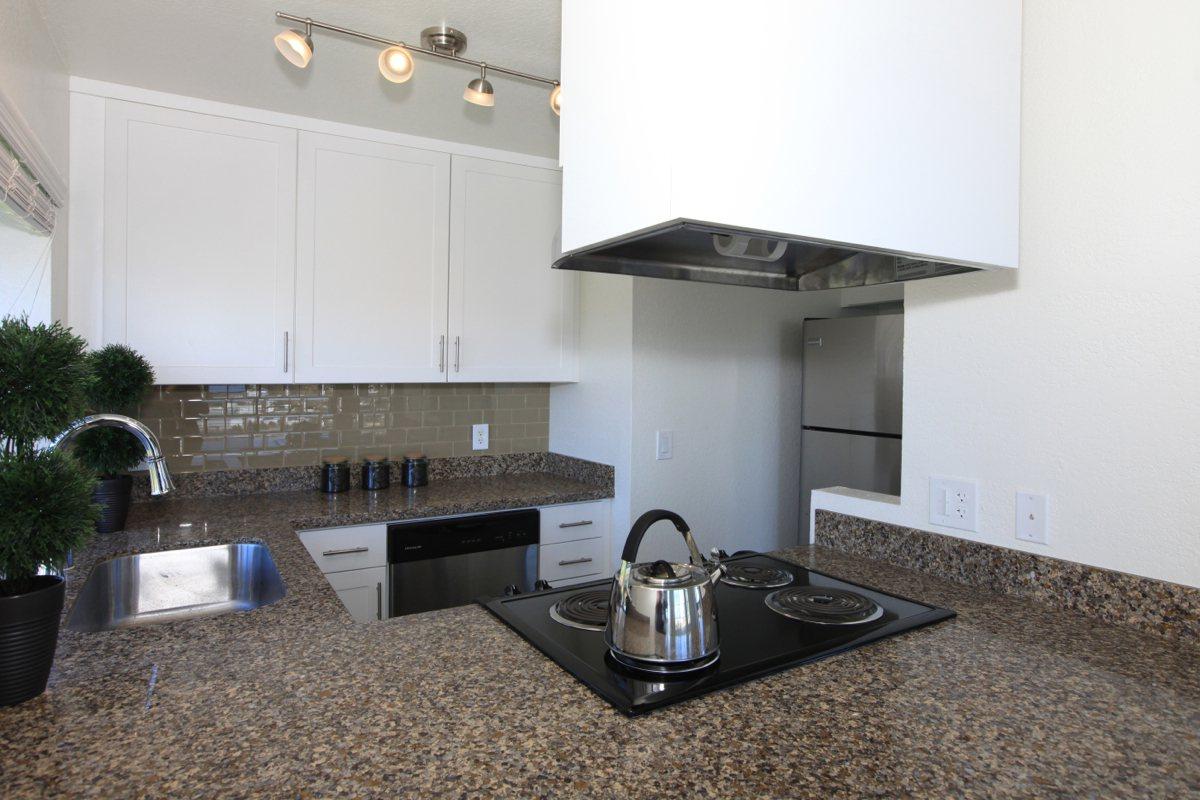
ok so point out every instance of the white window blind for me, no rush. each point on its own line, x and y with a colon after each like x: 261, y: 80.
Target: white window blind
x: 21, y: 194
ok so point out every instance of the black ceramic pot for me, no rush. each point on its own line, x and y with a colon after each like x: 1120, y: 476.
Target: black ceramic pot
x: 28, y: 635
x: 112, y: 495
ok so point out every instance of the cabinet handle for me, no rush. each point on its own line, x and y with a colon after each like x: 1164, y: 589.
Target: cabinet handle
x: 286, y: 348
x: 379, y: 601
x: 457, y: 352
x: 584, y: 560
x: 814, y: 342
x: 578, y: 524
x: 442, y: 353
x: 345, y: 551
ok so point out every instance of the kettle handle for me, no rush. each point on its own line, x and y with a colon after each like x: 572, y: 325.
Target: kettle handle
x: 643, y: 523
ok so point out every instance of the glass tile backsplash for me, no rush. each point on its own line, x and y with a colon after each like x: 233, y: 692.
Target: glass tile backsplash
x: 246, y: 426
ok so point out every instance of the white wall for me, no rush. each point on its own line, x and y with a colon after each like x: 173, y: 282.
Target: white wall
x: 593, y: 418
x: 718, y: 366
x: 33, y: 81
x: 1079, y: 375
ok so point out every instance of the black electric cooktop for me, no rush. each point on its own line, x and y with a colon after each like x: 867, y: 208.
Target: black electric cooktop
x: 779, y: 616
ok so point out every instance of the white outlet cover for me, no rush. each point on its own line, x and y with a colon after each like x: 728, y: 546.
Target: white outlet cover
x: 1031, y: 517
x: 479, y: 437
x: 664, y: 445
x: 952, y: 503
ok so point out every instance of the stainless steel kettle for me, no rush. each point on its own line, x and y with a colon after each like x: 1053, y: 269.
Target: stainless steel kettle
x: 663, y: 614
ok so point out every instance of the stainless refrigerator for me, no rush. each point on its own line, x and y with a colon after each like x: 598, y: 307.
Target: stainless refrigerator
x: 852, y: 392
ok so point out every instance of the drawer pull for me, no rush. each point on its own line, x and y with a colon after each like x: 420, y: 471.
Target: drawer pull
x: 346, y: 551
x: 573, y: 561
x: 579, y: 524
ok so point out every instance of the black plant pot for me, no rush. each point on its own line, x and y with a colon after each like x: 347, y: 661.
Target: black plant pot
x: 112, y: 495
x: 28, y: 635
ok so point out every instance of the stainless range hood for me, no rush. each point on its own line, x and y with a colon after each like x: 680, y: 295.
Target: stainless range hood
x: 687, y: 250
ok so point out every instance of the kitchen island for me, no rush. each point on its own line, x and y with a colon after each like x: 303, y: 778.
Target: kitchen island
x: 295, y: 699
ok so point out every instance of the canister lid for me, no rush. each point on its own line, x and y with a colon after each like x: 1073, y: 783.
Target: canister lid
x: 414, y: 455
x: 374, y: 458
x: 334, y: 460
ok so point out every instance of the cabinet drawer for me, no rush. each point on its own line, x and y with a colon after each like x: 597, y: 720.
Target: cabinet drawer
x: 341, y: 549
x: 558, y: 562
x: 575, y: 521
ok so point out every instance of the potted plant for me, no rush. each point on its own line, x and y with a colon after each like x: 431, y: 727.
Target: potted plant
x: 45, y: 496
x: 120, y: 379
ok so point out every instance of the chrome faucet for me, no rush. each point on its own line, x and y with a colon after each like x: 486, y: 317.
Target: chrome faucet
x: 160, y: 477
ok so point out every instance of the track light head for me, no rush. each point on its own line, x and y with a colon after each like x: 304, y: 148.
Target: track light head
x: 479, y: 91
x: 295, y: 46
x: 556, y: 99
x: 396, y: 64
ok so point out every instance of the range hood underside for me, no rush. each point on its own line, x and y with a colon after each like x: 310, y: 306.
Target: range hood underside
x: 688, y: 250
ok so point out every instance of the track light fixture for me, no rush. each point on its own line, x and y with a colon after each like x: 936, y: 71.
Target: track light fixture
x: 295, y: 46
x: 396, y: 64
x: 479, y: 91
x: 396, y: 60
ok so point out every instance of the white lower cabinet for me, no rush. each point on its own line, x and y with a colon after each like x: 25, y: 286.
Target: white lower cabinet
x: 575, y: 543
x: 354, y: 561
x: 362, y: 591
x: 574, y: 548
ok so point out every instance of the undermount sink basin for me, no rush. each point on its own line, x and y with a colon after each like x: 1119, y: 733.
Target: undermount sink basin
x: 176, y: 584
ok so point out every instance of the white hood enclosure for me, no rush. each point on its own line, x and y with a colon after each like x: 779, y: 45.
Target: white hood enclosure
x: 697, y: 145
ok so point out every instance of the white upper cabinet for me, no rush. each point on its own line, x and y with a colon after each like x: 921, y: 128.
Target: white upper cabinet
x: 199, y: 238
x: 371, y: 275
x: 512, y: 317
x: 228, y: 249
x: 892, y: 126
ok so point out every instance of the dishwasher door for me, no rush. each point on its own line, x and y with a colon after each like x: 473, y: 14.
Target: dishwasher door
x: 452, y: 562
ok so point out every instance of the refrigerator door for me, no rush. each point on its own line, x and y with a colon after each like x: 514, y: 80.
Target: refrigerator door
x: 852, y: 373
x: 853, y: 460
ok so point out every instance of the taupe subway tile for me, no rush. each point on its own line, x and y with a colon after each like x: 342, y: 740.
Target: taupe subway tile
x: 220, y: 426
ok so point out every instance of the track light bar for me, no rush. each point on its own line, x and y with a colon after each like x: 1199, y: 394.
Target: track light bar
x: 443, y: 43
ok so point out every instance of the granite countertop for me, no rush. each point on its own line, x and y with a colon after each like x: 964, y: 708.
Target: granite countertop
x: 297, y: 700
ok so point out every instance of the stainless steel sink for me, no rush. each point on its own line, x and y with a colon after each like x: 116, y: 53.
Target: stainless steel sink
x: 176, y: 584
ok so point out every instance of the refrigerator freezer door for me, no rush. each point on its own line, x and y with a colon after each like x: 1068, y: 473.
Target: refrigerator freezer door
x: 852, y: 373
x: 845, y: 459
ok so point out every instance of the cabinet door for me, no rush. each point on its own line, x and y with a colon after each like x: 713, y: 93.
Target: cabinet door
x: 199, y: 250
x: 371, y: 261
x: 512, y: 317
x: 362, y: 591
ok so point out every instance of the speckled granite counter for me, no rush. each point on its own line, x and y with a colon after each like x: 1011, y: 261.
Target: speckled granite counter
x: 1009, y: 699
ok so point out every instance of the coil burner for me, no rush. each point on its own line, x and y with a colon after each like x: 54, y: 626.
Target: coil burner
x: 586, y: 610
x: 754, y: 576
x: 823, y: 605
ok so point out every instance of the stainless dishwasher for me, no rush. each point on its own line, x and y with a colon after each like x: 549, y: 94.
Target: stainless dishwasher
x: 450, y: 562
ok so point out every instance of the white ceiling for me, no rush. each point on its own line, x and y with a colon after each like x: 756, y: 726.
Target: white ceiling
x: 222, y: 50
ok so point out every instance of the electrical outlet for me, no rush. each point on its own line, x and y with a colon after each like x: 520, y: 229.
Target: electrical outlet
x: 479, y: 437
x: 664, y: 445
x: 952, y: 503
x: 1031, y: 517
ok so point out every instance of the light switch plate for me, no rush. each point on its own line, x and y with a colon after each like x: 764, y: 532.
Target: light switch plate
x: 952, y: 503
x: 664, y: 445
x: 1031, y: 517
x: 479, y: 437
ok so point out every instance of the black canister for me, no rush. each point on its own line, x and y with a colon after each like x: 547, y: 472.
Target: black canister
x: 335, y: 474
x: 376, y: 472
x: 415, y: 469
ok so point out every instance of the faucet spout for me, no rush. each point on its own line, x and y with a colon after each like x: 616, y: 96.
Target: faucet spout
x: 160, y: 476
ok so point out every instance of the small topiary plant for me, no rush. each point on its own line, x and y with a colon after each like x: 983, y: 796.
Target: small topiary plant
x: 120, y: 379
x: 45, y: 497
